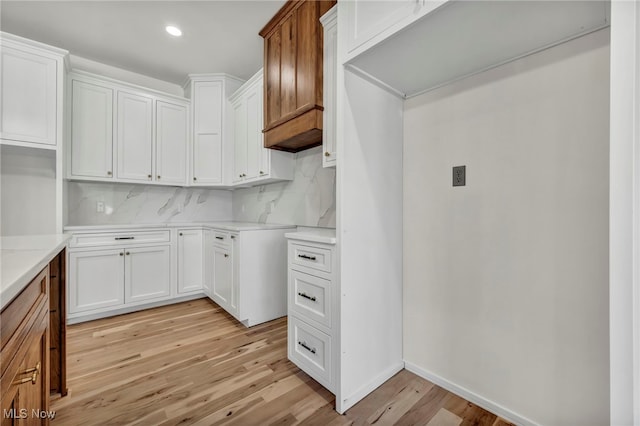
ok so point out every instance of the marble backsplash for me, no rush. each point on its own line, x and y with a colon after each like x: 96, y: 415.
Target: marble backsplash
x: 126, y: 204
x: 308, y: 200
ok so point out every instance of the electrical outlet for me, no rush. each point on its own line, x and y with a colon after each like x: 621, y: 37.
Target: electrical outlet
x: 459, y: 175
x: 100, y: 207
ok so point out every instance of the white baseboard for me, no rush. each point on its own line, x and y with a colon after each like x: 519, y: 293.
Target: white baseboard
x: 78, y: 318
x: 343, y: 404
x: 470, y: 396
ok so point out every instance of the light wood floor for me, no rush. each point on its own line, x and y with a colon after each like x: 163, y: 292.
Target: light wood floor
x: 192, y: 363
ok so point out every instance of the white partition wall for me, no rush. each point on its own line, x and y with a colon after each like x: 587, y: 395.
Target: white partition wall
x: 369, y: 232
x: 624, y: 279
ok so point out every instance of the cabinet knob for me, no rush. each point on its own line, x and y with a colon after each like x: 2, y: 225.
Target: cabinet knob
x: 240, y: 175
x: 195, y: 179
x: 121, y: 253
x: 327, y: 154
x: 233, y: 237
x: 261, y: 172
x: 128, y: 253
x: 181, y: 234
x: 149, y: 176
x: 158, y: 177
x: 226, y: 255
x: 109, y: 173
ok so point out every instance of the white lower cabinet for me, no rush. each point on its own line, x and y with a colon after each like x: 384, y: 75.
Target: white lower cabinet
x: 96, y: 279
x: 190, y: 271
x: 312, y: 299
x: 112, y: 278
x: 124, y: 269
x: 248, y: 273
x: 147, y: 273
x: 222, y: 292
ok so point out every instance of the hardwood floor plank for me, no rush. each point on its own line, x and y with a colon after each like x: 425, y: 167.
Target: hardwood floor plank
x: 193, y: 364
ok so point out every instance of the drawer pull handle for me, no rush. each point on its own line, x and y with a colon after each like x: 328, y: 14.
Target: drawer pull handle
x: 34, y: 375
x: 219, y: 238
x: 124, y: 238
x: 304, y: 345
x: 312, y: 298
x: 304, y: 256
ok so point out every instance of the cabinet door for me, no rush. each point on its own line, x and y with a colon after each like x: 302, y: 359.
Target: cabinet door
x: 171, y: 143
x: 207, y: 282
x: 190, y: 272
x: 135, y: 137
x: 330, y: 70
x: 207, y: 139
x: 234, y: 254
x: 29, y: 96
x: 96, y: 279
x: 239, y: 141
x: 91, y: 130
x: 368, y: 18
x: 222, y: 277
x: 147, y: 273
x: 255, y: 144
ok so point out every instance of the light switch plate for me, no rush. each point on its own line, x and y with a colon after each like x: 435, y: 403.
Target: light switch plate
x: 459, y: 175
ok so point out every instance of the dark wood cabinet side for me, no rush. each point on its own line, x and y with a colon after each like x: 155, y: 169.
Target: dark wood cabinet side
x: 58, y: 324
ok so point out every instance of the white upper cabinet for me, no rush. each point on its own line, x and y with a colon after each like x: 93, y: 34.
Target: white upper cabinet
x: 329, y: 86
x: 211, y: 154
x: 31, y: 92
x: 208, y: 104
x: 122, y: 133
x: 253, y: 163
x: 91, y: 148
x: 135, y: 137
x: 171, y: 143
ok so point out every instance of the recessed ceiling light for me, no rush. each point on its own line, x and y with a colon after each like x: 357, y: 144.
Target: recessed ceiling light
x: 174, y: 31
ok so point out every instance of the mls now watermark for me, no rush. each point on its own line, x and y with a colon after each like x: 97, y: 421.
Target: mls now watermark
x: 24, y: 413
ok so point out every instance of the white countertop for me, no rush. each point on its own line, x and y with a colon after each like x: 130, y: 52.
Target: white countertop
x: 22, y: 258
x: 229, y: 226
x: 314, y: 235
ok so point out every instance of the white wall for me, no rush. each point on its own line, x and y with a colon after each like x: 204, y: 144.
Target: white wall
x: 28, y: 191
x: 369, y: 236
x: 308, y: 200
x: 126, y: 204
x: 506, y: 279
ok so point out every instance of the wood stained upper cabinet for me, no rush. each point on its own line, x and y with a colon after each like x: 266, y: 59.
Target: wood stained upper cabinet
x: 293, y: 76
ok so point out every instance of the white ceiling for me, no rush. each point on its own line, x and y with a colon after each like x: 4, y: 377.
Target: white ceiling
x: 218, y: 36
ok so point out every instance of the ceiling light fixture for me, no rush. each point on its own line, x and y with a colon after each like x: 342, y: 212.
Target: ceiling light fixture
x: 174, y: 31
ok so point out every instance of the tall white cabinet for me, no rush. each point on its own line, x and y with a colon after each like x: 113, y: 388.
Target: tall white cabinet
x: 211, y: 153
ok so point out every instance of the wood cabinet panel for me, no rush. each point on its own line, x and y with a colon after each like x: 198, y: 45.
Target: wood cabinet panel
x: 24, y: 380
x: 293, y: 76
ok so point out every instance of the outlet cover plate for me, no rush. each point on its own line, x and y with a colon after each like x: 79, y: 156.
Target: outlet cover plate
x: 459, y: 175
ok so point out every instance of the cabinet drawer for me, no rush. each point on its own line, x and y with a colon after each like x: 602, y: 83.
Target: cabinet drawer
x: 119, y: 238
x: 310, y: 349
x: 310, y: 297
x: 311, y: 257
x: 221, y: 238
